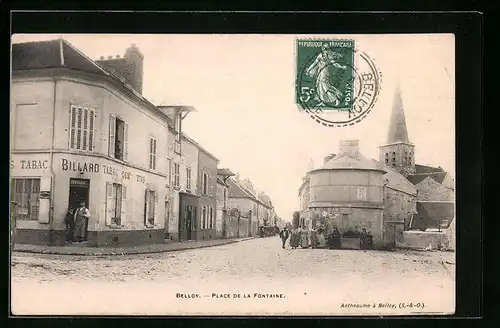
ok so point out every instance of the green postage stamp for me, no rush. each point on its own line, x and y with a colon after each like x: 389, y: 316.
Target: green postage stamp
x: 335, y: 84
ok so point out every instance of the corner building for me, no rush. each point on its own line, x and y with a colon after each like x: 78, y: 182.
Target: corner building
x: 81, y: 132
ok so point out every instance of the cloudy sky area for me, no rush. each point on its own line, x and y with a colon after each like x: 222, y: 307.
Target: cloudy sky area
x: 243, y: 89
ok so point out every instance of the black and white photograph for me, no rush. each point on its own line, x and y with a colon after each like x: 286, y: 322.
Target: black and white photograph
x: 232, y: 174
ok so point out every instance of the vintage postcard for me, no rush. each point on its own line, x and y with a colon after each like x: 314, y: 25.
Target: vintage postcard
x: 233, y: 174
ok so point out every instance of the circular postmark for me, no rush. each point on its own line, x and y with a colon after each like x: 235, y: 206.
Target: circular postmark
x: 336, y: 84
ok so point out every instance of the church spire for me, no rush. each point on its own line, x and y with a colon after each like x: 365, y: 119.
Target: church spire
x: 397, y: 128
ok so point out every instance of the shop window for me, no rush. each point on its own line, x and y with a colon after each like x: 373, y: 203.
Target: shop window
x: 204, y: 185
x: 25, y: 193
x: 152, y: 153
x: 176, y: 175
x: 81, y: 131
x: 188, y: 179
x: 150, y: 207
x: 115, y: 200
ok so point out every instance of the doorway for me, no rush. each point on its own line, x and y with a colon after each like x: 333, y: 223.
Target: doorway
x: 79, y: 192
x: 190, y: 220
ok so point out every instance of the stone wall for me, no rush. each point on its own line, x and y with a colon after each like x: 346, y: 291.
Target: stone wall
x: 399, y: 206
x: 422, y: 239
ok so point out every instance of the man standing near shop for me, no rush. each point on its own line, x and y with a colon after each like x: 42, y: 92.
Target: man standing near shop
x: 81, y: 216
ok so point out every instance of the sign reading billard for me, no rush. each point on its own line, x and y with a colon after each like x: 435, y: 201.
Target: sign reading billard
x: 89, y: 167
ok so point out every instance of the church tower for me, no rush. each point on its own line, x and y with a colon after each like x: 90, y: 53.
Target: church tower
x: 399, y: 152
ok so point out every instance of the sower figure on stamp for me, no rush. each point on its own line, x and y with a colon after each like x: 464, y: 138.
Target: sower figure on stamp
x: 81, y: 216
x: 326, y: 92
x: 284, y: 236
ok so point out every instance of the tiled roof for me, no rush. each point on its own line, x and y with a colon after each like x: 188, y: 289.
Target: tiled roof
x: 427, y: 169
x: 417, y: 178
x: 237, y: 191
x: 343, y: 161
x: 51, y: 54
x: 431, y: 214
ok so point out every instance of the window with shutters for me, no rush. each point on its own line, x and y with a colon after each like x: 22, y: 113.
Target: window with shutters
x: 115, y: 203
x: 118, y: 138
x: 188, y: 179
x: 177, y: 175
x: 81, y: 131
x: 150, y: 207
x: 169, y: 171
x: 152, y: 153
x: 211, y: 216
x: 26, y: 194
x: 204, y: 217
x: 204, y: 184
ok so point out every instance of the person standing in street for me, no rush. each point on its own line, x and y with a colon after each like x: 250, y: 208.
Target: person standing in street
x: 81, y: 216
x: 284, y: 236
x: 69, y: 221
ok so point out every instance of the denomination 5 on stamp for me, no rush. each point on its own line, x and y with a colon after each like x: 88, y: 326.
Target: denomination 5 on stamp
x: 335, y: 84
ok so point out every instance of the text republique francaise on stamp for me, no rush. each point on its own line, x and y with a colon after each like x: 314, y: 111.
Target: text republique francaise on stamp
x: 336, y: 84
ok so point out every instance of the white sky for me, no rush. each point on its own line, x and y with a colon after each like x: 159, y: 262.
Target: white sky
x: 243, y: 89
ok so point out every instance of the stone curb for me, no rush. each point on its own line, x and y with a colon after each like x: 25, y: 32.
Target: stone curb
x: 101, y: 252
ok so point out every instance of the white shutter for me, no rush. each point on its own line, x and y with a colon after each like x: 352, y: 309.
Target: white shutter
x: 85, y: 129
x: 156, y: 206
x: 72, y: 127
x: 146, y: 207
x: 111, y: 137
x: 125, y: 142
x: 110, y: 203
x: 79, y: 117
x: 91, y: 129
x: 124, y: 204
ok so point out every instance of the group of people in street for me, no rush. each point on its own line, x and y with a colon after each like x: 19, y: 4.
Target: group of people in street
x: 76, y: 221
x: 318, y: 238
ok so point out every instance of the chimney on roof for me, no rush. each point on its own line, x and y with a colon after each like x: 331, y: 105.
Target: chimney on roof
x: 349, y: 148
x: 130, y: 67
x: 101, y: 58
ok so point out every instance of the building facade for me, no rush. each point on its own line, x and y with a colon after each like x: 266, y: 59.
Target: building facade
x: 207, y: 186
x: 70, y: 127
x: 243, y: 200
x: 347, y: 193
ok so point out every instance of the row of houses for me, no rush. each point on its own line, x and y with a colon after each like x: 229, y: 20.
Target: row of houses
x: 81, y: 130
